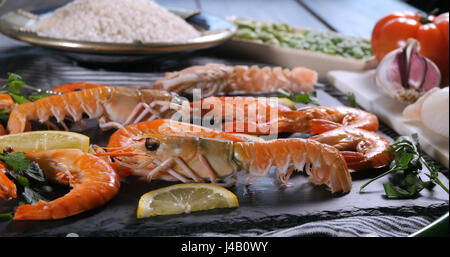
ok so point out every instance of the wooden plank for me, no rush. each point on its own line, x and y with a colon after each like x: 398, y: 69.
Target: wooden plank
x: 287, y: 11
x: 355, y: 17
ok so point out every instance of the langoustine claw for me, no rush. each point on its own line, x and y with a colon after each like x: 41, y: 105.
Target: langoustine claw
x: 93, y: 184
x: 361, y: 149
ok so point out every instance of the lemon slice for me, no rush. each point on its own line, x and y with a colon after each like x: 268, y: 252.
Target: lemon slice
x: 45, y: 140
x: 286, y: 102
x: 185, y: 198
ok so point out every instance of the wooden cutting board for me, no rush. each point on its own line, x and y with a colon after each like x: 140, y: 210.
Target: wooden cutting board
x: 370, y: 97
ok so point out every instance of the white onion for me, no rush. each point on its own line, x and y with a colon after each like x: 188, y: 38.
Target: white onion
x: 435, y: 112
x: 432, y: 110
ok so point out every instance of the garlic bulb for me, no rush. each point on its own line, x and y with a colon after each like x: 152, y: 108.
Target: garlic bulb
x: 405, y: 75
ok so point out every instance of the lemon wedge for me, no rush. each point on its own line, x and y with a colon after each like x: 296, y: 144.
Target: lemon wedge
x: 185, y: 198
x: 45, y: 140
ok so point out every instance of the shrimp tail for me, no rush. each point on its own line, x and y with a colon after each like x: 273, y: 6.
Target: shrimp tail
x: 38, y: 212
x: 324, y: 164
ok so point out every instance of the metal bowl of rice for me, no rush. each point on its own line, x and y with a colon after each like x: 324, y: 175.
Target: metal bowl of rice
x: 103, y: 31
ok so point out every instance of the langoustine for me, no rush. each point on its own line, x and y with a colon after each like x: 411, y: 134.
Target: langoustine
x: 93, y: 184
x: 199, y: 156
x: 112, y: 106
x: 214, y: 79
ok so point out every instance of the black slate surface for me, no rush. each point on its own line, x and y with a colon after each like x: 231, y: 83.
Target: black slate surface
x: 264, y: 205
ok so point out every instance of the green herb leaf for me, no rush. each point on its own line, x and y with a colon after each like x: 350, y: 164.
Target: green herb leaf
x: 408, y: 157
x: 18, y: 98
x: 13, y: 77
x: 22, y: 180
x: 38, y: 96
x: 7, y: 215
x: 15, y: 83
x: 351, y: 100
x: 395, y: 191
x: 16, y: 161
x: 305, y: 98
x: 14, y: 86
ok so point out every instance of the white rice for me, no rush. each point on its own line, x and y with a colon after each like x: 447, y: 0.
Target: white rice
x: 119, y: 21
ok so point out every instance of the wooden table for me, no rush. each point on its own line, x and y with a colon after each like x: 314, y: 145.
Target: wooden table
x: 353, y: 17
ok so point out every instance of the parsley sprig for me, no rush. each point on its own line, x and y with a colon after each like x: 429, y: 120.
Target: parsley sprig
x: 305, y: 98
x: 29, y: 178
x: 408, y: 157
x: 14, y: 86
x: 351, y: 100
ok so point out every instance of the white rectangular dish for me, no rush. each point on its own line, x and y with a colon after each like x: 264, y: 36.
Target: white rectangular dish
x: 291, y: 57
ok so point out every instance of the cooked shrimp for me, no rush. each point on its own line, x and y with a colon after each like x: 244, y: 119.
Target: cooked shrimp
x: 8, y: 189
x: 267, y: 115
x: 93, y: 184
x: 340, y: 116
x: 215, y: 155
x: 361, y: 149
x: 112, y: 106
x: 214, y: 79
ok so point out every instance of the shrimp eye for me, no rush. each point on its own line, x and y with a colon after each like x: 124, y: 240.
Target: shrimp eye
x: 151, y: 144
